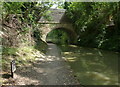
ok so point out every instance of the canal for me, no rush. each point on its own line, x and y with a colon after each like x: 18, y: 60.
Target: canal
x: 92, y: 66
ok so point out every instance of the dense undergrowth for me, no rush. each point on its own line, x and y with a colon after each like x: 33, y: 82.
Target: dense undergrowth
x: 21, y: 37
x: 96, y: 24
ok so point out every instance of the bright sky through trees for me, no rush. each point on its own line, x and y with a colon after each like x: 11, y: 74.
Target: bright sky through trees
x: 54, y: 6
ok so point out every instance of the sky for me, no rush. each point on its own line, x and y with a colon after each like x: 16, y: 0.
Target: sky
x: 54, y: 6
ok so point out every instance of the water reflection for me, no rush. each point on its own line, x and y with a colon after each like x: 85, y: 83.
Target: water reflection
x: 92, y: 66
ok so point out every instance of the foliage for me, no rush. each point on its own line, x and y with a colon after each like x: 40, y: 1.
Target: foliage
x: 9, y: 51
x: 27, y: 9
x: 28, y: 13
x: 13, y: 7
x: 96, y: 23
x: 22, y: 19
x: 58, y: 37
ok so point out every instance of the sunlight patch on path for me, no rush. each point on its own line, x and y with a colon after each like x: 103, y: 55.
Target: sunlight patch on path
x: 49, y: 69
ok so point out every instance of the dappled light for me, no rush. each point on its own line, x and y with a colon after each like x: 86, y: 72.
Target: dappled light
x: 73, y: 46
x: 60, y: 43
x: 92, y: 66
x: 50, y: 67
x: 71, y: 59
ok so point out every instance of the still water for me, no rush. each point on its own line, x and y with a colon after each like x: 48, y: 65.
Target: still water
x: 92, y: 66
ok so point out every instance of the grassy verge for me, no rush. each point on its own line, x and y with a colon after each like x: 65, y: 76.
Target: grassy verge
x: 24, y: 56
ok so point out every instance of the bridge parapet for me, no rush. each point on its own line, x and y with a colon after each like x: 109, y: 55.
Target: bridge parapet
x: 52, y: 16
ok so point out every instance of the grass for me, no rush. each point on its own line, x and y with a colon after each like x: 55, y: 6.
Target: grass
x: 23, y: 56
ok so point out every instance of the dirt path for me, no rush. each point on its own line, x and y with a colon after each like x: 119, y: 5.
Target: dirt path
x: 50, y: 70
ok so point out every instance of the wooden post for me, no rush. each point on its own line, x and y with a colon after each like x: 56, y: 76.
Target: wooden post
x: 13, y: 68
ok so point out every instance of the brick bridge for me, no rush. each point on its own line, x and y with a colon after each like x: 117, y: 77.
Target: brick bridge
x: 57, y: 20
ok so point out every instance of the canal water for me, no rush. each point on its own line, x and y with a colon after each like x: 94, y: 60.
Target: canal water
x: 92, y: 66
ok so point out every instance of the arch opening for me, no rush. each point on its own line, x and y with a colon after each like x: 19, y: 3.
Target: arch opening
x: 60, y: 36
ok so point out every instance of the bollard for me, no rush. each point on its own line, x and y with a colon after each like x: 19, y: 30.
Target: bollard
x: 13, y: 68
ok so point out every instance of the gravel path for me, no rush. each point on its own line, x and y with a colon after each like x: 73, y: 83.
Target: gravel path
x: 51, y: 70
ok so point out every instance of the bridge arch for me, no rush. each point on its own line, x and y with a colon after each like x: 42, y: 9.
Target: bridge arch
x: 59, y: 20
x: 64, y: 27
x: 69, y: 33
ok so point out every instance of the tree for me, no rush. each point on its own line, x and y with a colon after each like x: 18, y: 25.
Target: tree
x: 94, y: 23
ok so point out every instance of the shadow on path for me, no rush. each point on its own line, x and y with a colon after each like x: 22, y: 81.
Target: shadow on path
x: 50, y: 70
